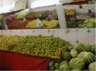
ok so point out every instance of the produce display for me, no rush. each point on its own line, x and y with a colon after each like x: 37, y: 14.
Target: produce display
x: 86, y: 23
x: 22, y: 14
x: 32, y: 24
x: 44, y: 46
x: 43, y: 20
x: 32, y: 20
x: 1, y: 21
x: 69, y: 11
x: 1, y: 17
x: 90, y: 23
x: 51, y: 24
x: 65, y: 56
x: 81, y: 57
x: 14, y: 23
x: 74, y: 23
x: 39, y: 20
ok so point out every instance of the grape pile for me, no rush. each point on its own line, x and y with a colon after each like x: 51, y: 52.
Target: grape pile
x: 45, y: 46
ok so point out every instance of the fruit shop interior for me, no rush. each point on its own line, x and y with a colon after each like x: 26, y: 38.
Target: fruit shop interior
x: 62, y: 14
x: 48, y: 35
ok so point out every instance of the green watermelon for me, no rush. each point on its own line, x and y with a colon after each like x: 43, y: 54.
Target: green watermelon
x: 76, y: 63
x: 82, y: 47
x: 51, y: 65
x: 56, y: 70
x: 64, y: 66
x: 87, y: 56
x: 90, y: 22
x: 76, y: 70
x: 74, y: 53
x: 66, y: 55
x: 93, y: 49
x: 56, y: 65
x: 92, y: 66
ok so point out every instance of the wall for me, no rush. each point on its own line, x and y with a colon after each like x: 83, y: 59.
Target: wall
x: 71, y: 35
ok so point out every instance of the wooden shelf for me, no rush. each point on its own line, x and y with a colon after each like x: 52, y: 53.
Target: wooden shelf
x: 76, y: 3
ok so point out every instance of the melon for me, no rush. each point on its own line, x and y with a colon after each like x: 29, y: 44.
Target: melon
x: 74, y: 53
x: 90, y: 22
x: 76, y: 63
x: 87, y: 56
x: 51, y: 65
x: 64, y: 66
x: 76, y: 70
x: 93, y: 49
x: 82, y: 47
x: 92, y: 66
x: 66, y: 55
x: 56, y: 70
x: 56, y: 65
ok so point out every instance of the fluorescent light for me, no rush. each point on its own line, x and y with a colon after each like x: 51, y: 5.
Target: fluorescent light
x: 42, y: 3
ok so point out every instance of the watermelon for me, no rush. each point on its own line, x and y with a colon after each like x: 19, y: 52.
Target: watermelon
x: 66, y: 55
x: 90, y: 22
x: 93, y: 49
x: 82, y: 47
x: 76, y: 63
x: 56, y: 70
x: 64, y: 66
x: 76, y: 70
x: 85, y: 47
x: 92, y: 66
x: 56, y: 65
x: 51, y: 65
x: 87, y: 56
x: 74, y: 53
